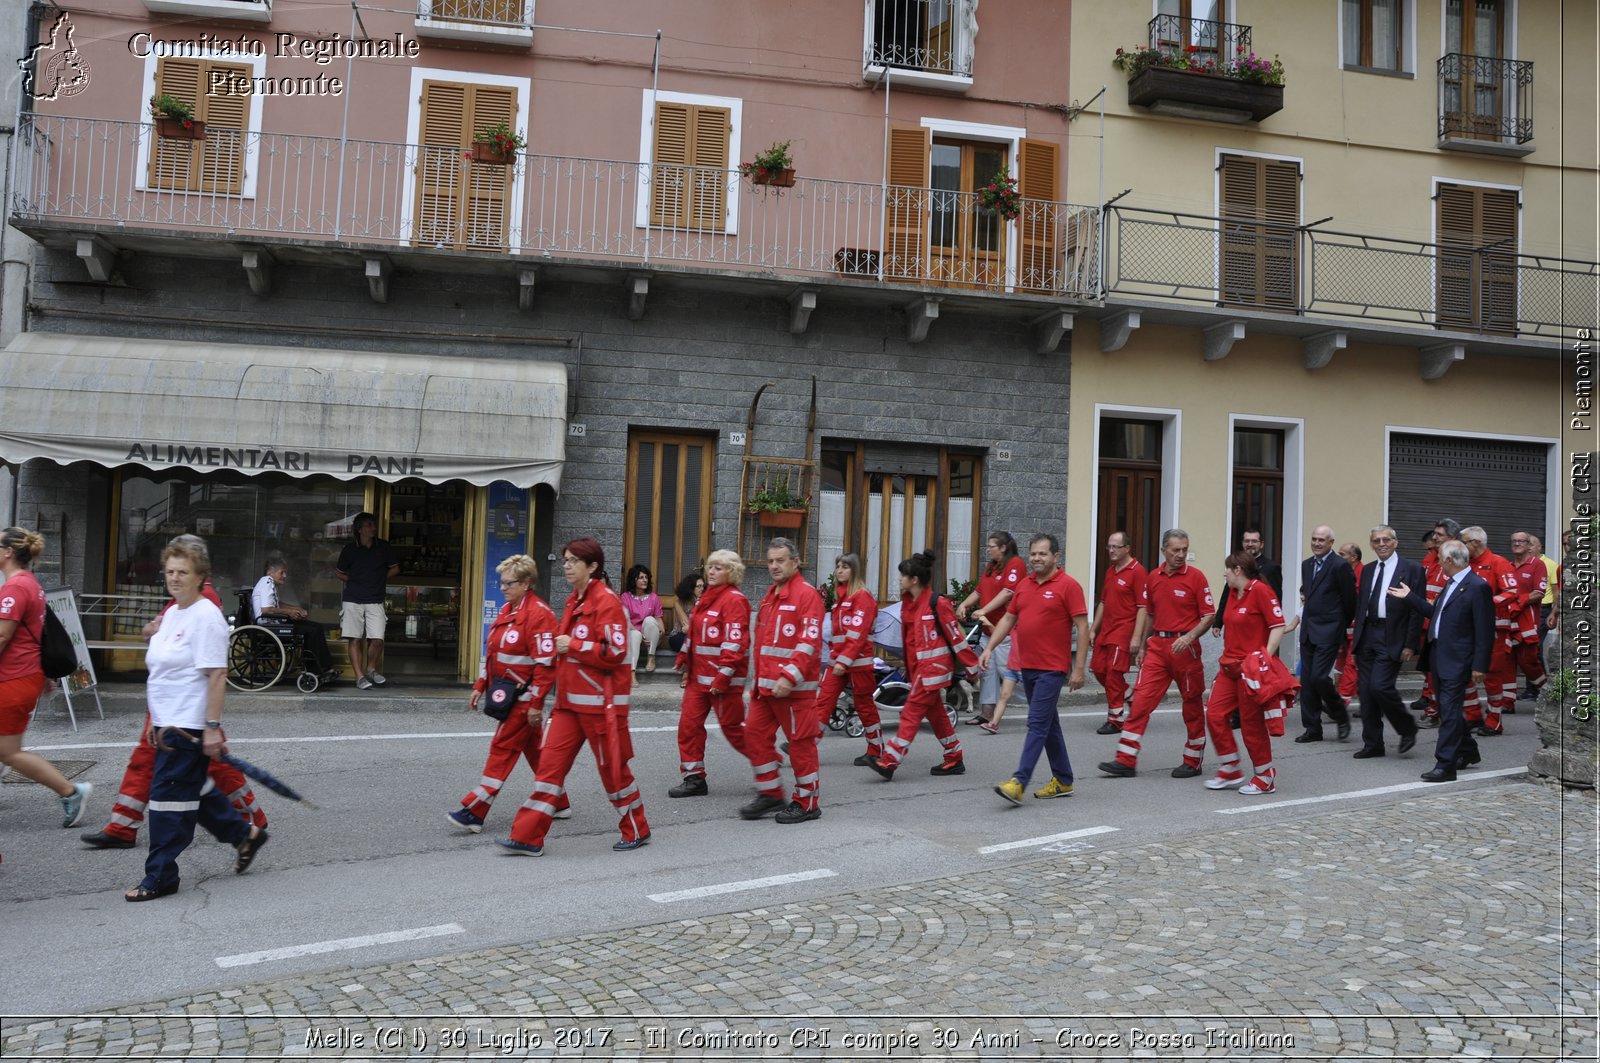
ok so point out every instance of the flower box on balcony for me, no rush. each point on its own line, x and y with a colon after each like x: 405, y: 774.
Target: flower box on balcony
x: 781, y: 518
x: 1189, y: 94
x: 177, y: 129
x: 775, y: 178
x: 486, y: 152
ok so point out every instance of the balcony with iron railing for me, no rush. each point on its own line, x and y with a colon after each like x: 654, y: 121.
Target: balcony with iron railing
x: 1198, y: 68
x: 924, y: 42
x: 97, y: 178
x: 502, y: 22
x: 1258, y: 266
x: 1485, y: 104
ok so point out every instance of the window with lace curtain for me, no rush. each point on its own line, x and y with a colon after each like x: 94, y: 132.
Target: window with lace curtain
x: 1373, y: 33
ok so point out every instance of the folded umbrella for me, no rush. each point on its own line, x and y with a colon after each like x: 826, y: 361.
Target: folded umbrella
x: 253, y: 771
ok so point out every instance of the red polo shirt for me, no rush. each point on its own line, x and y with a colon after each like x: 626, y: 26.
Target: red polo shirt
x: 1005, y: 578
x: 1042, y: 635
x: 1121, y: 596
x: 1178, y: 602
x: 1251, y: 616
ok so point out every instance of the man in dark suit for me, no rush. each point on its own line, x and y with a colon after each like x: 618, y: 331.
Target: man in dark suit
x: 1387, y: 635
x: 1459, y: 644
x: 1252, y: 543
x: 1327, y: 604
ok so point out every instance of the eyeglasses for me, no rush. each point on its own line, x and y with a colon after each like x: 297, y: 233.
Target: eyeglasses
x: 510, y: 583
x: 571, y: 561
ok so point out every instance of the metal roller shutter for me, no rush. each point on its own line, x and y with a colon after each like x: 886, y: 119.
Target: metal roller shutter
x: 1498, y: 484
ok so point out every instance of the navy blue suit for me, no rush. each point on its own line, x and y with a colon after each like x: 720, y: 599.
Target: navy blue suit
x: 1460, y: 641
x: 1379, y: 641
x: 1325, y: 614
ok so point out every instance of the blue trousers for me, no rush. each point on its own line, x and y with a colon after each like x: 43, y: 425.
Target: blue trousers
x: 1044, y: 727
x: 181, y: 795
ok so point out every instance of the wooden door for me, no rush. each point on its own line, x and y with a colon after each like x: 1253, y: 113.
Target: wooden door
x: 667, y: 517
x: 1476, y: 274
x: 967, y: 243
x: 1473, y: 102
x: 1260, y: 244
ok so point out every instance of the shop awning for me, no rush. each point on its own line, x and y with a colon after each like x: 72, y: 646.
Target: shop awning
x: 304, y: 412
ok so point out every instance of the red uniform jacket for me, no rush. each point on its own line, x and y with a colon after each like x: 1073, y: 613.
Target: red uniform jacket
x: 1269, y: 686
x: 928, y: 659
x: 850, y: 641
x: 596, y: 663
x: 716, y: 653
x: 522, y: 646
x: 1533, y: 580
x: 1502, y: 580
x: 789, y: 636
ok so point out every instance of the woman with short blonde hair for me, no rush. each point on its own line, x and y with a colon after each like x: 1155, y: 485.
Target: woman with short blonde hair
x: 715, y: 661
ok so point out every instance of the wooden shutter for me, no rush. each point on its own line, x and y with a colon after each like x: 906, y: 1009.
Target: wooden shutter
x: 1476, y: 279
x: 1038, y: 171
x: 215, y: 164
x: 1260, y: 263
x: 907, y: 204
x: 462, y: 204
x: 689, y: 181
x: 175, y: 164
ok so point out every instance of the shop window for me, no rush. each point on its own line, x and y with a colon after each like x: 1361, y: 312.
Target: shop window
x: 463, y: 204
x: 217, y: 163
x: 244, y: 521
x: 887, y: 503
x: 427, y: 530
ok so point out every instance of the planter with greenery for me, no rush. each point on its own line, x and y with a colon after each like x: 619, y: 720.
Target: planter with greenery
x: 175, y: 119
x: 771, y: 167
x: 1191, y: 80
x: 775, y: 506
x: 497, y: 145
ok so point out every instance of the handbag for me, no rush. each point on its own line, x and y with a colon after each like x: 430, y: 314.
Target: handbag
x: 502, y: 697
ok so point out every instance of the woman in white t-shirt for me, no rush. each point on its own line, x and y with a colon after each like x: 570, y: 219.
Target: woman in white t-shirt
x: 188, y: 663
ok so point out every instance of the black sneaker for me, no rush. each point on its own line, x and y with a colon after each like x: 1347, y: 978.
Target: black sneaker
x: 691, y: 786
x: 1118, y: 769
x: 863, y: 761
x: 1108, y: 728
x: 949, y: 767
x: 796, y: 814
x: 761, y: 806
x: 885, y: 770
x: 1184, y: 771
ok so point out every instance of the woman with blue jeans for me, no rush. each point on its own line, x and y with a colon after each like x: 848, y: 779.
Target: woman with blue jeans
x: 188, y: 663
x: 994, y: 590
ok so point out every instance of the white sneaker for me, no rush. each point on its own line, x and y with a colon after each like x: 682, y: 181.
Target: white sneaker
x: 562, y: 813
x: 377, y: 680
x: 363, y: 683
x: 1251, y: 789
x: 1221, y: 783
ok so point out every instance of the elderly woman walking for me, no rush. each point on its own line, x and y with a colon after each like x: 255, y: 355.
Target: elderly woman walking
x: 188, y: 664
x: 715, y: 661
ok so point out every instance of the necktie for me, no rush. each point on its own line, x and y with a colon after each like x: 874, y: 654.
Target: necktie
x: 1438, y: 614
x: 1376, y: 606
x: 1316, y: 569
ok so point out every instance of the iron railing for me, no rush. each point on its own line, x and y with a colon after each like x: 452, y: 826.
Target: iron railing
x: 1312, y: 271
x: 1483, y: 98
x: 1221, y: 41
x: 476, y: 12
x: 268, y: 186
x: 935, y: 36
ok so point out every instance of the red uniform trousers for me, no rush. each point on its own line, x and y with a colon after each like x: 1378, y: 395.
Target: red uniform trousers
x: 698, y: 703
x: 1530, y: 662
x: 1225, y: 697
x: 1349, y: 673
x: 514, y: 738
x: 1110, y: 665
x: 127, y: 811
x: 1161, y: 667
x: 564, y: 734
x: 1499, y: 688
x: 862, y: 683
x: 923, y: 702
x: 796, y: 715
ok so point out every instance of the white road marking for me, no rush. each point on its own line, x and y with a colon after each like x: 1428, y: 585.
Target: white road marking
x: 1374, y: 792
x: 1033, y: 843
x: 739, y: 887
x: 244, y: 959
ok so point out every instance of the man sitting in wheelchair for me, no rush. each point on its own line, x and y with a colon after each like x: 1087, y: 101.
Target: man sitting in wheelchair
x: 268, y: 611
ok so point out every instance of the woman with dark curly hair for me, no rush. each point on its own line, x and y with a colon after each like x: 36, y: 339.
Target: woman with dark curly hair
x: 643, y: 606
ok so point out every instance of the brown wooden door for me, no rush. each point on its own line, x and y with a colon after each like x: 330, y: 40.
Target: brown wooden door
x: 1473, y: 101
x: 667, y: 517
x: 1258, y: 486
x: 1260, y: 260
x: 1476, y: 273
x: 967, y: 243
x: 1130, y: 501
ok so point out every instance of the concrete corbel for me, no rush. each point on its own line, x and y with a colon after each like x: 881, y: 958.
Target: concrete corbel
x: 1436, y: 361
x: 1048, y: 329
x: 99, y: 257
x: 527, y: 277
x: 257, y: 263
x: 1115, y: 330
x: 638, y: 292
x: 378, y: 269
x: 1220, y: 338
x: 1317, y: 351
x: 920, y: 314
x: 801, y: 303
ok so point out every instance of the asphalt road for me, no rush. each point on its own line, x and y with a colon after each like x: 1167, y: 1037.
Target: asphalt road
x: 374, y: 873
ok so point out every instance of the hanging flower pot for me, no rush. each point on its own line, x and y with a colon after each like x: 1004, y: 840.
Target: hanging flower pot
x: 487, y: 151
x: 180, y: 129
x: 781, y: 518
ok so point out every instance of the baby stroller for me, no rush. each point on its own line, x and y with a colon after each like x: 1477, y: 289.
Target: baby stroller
x: 892, y: 687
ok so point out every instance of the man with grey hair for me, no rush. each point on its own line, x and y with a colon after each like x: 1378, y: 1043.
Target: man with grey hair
x: 1180, y: 608
x: 1456, y: 652
x: 1386, y: 636
x: 1500, y: 681
x: 1327, y: 605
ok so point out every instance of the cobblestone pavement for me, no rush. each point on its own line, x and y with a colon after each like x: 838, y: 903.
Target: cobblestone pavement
x: 1448, y: 926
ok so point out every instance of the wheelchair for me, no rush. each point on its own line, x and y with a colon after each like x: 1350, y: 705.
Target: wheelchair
x: 260, y: 654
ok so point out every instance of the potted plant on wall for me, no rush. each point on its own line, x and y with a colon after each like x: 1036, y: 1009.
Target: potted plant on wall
x: 1001, y: 195
x: 175, y: 119
x: 771, y: 167
x: 497, y: 145
x: 775, y: 506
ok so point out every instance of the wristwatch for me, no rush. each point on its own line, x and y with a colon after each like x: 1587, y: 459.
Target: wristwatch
x: 214, y: 725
